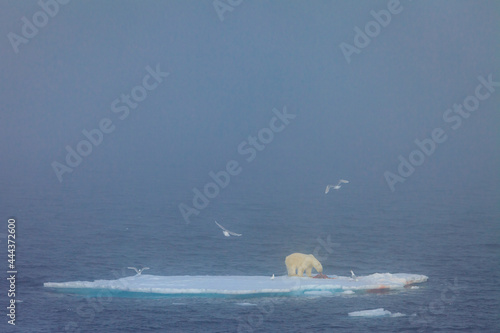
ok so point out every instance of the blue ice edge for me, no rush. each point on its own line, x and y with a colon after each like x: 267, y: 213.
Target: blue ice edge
x: 105, y: 293
x: 153, y: 286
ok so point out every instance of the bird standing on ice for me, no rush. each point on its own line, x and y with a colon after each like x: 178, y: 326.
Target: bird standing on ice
x: 353, y: 276
x: 336, y: 187
x: 138, y: 271
x: 226, y: 232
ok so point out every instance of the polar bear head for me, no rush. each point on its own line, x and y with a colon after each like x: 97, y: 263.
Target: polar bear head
x: 316, y: 264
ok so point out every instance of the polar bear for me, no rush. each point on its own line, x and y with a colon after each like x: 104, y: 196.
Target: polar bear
x: 302, y: 262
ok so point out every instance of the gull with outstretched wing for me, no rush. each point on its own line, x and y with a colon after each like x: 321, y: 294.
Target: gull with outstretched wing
x: 226, y: 232
x: 336, y: 187
x: 138, y: 271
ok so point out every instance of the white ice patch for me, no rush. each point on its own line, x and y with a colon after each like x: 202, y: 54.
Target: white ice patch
x: 243, y: 285
x: 317, y: 293
x: 380, y: 312
x: 246, y: 304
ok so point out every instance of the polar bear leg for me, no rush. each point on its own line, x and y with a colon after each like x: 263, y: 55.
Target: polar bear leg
x: 308, y: 271
x: 291, y: 270
x: 301, y: 271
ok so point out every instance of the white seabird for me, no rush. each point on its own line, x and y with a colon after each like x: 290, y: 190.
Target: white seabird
x: 272, y: 277
x: 353, y: 276
x: 226, y: 232
x: 336, y: 187
x: 138, y: 271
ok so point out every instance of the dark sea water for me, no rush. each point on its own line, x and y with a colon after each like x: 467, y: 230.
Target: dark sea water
x: 67, y: 232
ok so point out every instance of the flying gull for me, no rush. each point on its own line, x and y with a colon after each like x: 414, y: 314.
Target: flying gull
x: 138, y: 271
x: 226, y: 232
x: 336, y: 187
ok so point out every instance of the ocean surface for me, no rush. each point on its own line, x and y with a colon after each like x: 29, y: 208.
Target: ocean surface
x: 74, y: 231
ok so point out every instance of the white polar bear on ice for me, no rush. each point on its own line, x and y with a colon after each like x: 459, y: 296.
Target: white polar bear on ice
x: 297, y: 263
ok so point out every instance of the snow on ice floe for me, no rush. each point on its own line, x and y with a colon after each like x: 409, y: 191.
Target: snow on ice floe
x: 380, y: 312
x: 243, y: 285
x: 318, y: 293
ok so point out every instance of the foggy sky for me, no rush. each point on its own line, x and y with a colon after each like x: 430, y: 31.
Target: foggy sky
x: 352, y: 120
